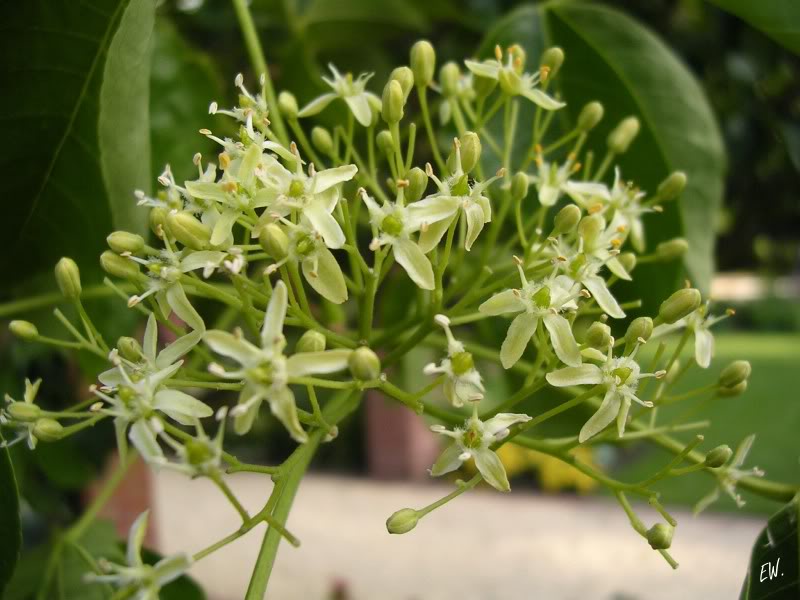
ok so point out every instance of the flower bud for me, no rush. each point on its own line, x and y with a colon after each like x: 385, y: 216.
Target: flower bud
x: 311, y: 341
x: 553, y: 58
x: 322, y: 140
x: 157, y: 220
x: 68, y: 277
x: 659, y: 536
x: 188, y: 230
x: 274, y: 241
x: 129, y: 349
x: 735, y: 373
x: 679, y: 304
x: 449, y: 75
x: 518, y: 58
x: 384, y: 141
x: 718, y: 456
x: 124, y: 241
x: 672, y: 186
x: 24, y: 330
x: 519, y: 186
x: 591, y: 115
x: 470, y: 151
x: 393, y: 101
x: 566, y: 219
x: 423, y: 62
x: 622, y: 135
x: 672, y: 249
x: 198, y: 452
x: 405, y: 78
x: 590, y: 227
x: 598, y: 335
x: 375, y: 105
x: 640, y: 328
x: 119, y: 266
x: 403, y: 521
x: 417, y: 184
x: 628, y: 261
x: 364, y: 364
x: 287, y: 105
x: 733, y: 391
x: 25, y: 412
x: 48, y: 430
x: 483, y: 86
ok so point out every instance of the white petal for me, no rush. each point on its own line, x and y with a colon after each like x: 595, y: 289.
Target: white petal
x: 360, y: 108
x: 615, y: 266
x: 234, y: 347
x: 563, y: 341
x: 582, y: 375
x: 224, y: 226
x: 605, y: 414
x: 330, y: 177
x: 253, y: 398
x: 171, y: 567
x: 432, y: 235
x: 622, y: 416
x: 283, y: 406
x: 416, y: 264
x: 201, y: 259
x: 548, y: 195
x: 706, y: 501
x: 519, y: 334
x: 489, y: 70
x: 327, y: 280
x: 742, y: 450
x: 703, y: 347
x: 326, y: 225
x: 326, y: 361
x: 178, y: 348
x: 581, y: 191
x: 504, y: 302
x: 176, y: 297
x: 475, y: 221
x: 136, y: 539
x: 180, y: 406
x: 448, y: 461
x: 150, y: 341
x: 430, y: 210
x: 144, y: 441
x: 503, y: 421
x: 541, y: 99
x: 316, y: 105
x: 491, y: 468
x: 603, y: 297
x: 246, y: 172
x: 206, y: 190
x: 272, y: 330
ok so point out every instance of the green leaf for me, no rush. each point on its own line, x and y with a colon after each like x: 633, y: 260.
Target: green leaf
x: 774, y: 569
x: 779, y: 19
x: 54, y: 54
x: 614, y: 59
x: 10, y: 529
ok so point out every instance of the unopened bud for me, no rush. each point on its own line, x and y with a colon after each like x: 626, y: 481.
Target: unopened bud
x: 364, y: 364
x: 129, y: 349
x: 639, y: 330
x: 735, y: 373
x: 24, y: 330
x: 405, y: 78
x: 672, y: 249
x: 124, y: 241
x: 518, y: 58
x: 48, y: 430
x: 598, y: 335
x: 659, y: 536
x: 417, y: 184
x: 119, y: 266
x: 423, y: 62
x: 26, y: 412
x: 623, y: 134
x: 274, y: 241
x: 385, y: 143
x: 678, y: 305
x: 393, y: 101
x: 628, y: 261
x: 188, y: 230
x: 157, y: 220
x: 470, y: 151
x: 733, y: 391
x: 68, y: 277
x: 566, y: 219
x: 672, y: 186
x: 403, y: 521
x: 590, y: 227
x: 718, y: 456
x: 519, y: 186
x: 287, y: 105
x: 198, y: 452
x: 449, y: 75
x: 553, y: 58
x: 322, y: 140
x: 311, y: 341
x: 590, y: 116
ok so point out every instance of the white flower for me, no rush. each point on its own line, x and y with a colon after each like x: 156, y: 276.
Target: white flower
x: 537, y: 301
x: 474, y: 441
x: 619, y: 376
x: 200, y: 455
x: 462, y: 380
x: 266, y: 371
x: 352, y: 91
x: 252, y: 110
x: 699, y: 323
x: 728, y: 476
x: 136, y: 579
x: 552, y: 181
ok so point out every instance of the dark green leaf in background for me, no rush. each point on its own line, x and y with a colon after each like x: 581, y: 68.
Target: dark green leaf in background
x: 10, y: 531
x: 779, y: 19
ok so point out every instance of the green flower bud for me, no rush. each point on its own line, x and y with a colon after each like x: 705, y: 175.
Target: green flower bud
x: 718, y: 456
x: 628, y: 261
x: 519, y: 186
x: 322, y: 140
x: 598, y: 335
x: 384, y: 141
x: 417, y: 184
x: 566, y: 219
x: 68, y: 277
x: 591, y: 115
x: 403, y: 521
x: 287, y: 105
x: 735, y: 373
x: 157, y: 220
x: 405, y: 78
x: 375, y: 106
x: 659, y: 536
x: 590, y: 227
x: 679, y: 304
x: 672, y: 249
x: 48, y: 430
x: 733, y: 391
x: 423, y: 62
x: 24, y: 330
x: 640, y: 328
x: 483, y: 86
x: 449, y: 75
x: 622, y: 135
x: 672, y: 186
x: 311, y: 341
x: 188, y: 230
x: 24, y: 412
x: 124, y: 241
x: 552, y: 59
x: 119, y: 266
x: 470, y: 151
x: 129, y: 349
x: 393, y: 101
x: 364, y: 364
x: 198, y: 452
x: 274, y: 241
x: 518, y: 58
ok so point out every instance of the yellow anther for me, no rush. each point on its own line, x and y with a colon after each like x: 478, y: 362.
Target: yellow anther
x: 498, y: 52
x: 544, y: 72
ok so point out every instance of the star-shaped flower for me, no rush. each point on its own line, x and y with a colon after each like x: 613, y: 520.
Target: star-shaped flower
x: 728, y: 477
x: 699, y: 323
x: 462, y: 380
x: 552, y: 181
x: 352, y: 91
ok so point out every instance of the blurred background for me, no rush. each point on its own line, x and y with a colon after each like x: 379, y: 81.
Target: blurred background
x: 557, y: 536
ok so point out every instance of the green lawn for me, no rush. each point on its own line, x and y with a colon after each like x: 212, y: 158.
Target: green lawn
x: 770, y: 409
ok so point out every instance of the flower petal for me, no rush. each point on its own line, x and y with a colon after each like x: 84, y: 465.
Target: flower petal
x: 563, y: 341
x: 181, y: 407
x: 234, y: 347
x: 206, y: 190
x: 583, y: 191
x: 475, y: 221
x: 491, y: 468
x: 282, y: 404
x: 178, y: 302
x: 448, y: 461
x: 706, y: 501
x: 136, y: 539
x: 272, y: 330
x: 519, y: 334
x: 326, y: 225
x: 490, y: 69
x: 316, y: 105
x: 582, y: 375
x: 603, y: 297
x: 430, y: 210
x: 224, y: 226
x: 507, y: 301
x: 326, y: 361
x: 178, y: 348
x: 548, y: 194
x: 742, y: 450
x: 539, y: 98
x: 416, y: 264
x: 202, y: 259
x: 608, y: 411
x: 430, y: 237
x: 144, y: 440
x: 622, y: 416
x: 325, y: 276
x: 359, y: 106
x: 502, y: 421
x: 171, y: 567
x: 253, y: 397
x: 703, y: 347
x: 150, y: 340
x: 330, y: 177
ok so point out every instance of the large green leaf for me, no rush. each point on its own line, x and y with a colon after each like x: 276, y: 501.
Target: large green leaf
x: 10, y: 531
x: 774, y: 569
x: 779, y: 19
x: 614, y: 59
x: 54, y: 57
